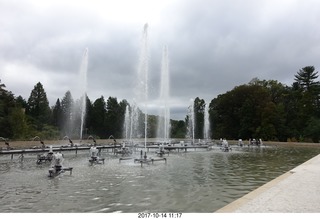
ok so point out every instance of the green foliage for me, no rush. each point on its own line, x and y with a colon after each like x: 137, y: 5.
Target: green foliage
x: 263, y: 109
x: 248, y: 111
x: 57, y: 115
x: 20, y: 102
x: 178, y: 129
x: 67, y: 104
x: 38, y: 106
x: 238, y: 113
x: 88, y: 126
x: 6, y: 104
x: 18, y: 123
x: 312, y: 130
x: 49, y: 132
x: 113, y: 118
x: 268, y: 109
x: 306, y: 78
x: 199, y: 107
x: 152, y: 126
x: 99, y: 117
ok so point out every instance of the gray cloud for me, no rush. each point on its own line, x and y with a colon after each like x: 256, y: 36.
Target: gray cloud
x: 213, y: 46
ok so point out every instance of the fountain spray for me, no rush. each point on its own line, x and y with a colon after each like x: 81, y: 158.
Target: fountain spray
x: 163, y: 129
x: 141, y: 89
x: 206, y: 127
x: 83, y: 81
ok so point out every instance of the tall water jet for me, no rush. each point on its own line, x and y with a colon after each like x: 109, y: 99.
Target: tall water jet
x: 206, y: 128
x: 127, y: 126
x: 191, y: 121
x: 163, y: 129
x: 83, y: 85
x: 141, y: 89
x: 75, y: 112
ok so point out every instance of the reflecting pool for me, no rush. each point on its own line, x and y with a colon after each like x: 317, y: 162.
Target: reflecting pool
x: 197, y: 181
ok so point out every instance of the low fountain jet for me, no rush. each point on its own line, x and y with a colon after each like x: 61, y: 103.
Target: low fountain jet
x: 94, y: 140
x: 71, y: 143
x: 42, y: 143
x: 8, y: 145
x: 114, y: 140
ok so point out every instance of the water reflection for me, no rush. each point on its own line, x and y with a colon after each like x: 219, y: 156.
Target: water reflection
x: 200, y: 181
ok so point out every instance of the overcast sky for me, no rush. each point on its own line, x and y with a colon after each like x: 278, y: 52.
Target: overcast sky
x: 213, y: 45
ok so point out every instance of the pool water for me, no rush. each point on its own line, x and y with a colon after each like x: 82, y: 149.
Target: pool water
x: 197, y: 181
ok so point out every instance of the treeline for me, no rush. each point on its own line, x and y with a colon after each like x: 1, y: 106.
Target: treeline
x: 262, y: 109
x: 266, y: 109
x: 22, y: 119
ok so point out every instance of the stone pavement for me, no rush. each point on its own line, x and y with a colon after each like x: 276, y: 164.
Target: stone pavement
x: 297, y: 191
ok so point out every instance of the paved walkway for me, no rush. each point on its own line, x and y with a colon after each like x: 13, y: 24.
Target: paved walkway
x: 297, y: 191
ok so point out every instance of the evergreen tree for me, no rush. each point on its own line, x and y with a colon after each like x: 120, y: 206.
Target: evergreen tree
x: 312, y: 130
x: 38, y: 106
x: 309, y: 89
x: 112, y: 120
x: 18, y: 123
x: 6, y: 104
x: 13, y: 122
x: 57, y: 115
x: 199, y: 108
x: 152, y: 126
x: 306, y: 90
x: 66, y: 109
x: 99, y: 117
x: 178, y: 129
x: 21, y: 102
x: 306, y: 78
x: 121, y: 117
x: 88, y: 128
x: 2, y: 87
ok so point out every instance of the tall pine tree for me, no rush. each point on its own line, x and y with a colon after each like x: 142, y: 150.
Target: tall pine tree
x: 38, y: 106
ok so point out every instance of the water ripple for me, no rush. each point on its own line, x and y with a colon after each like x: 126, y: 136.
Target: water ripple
x: 199, y: 181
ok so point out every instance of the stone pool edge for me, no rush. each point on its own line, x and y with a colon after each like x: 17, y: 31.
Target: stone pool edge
x: 278, y: 192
